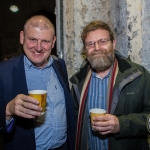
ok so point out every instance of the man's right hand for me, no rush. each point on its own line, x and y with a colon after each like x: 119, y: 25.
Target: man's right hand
x: 23, y: 106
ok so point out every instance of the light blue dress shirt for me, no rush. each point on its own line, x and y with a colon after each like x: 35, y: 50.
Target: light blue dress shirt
x: 50, y: 128
x: 97, y: 94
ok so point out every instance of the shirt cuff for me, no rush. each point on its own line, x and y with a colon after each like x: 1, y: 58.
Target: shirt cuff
x: 9, y: 124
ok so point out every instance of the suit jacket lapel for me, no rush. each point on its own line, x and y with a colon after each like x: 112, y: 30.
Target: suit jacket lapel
x: 59, y: 73
x: 19, y: 79
x: 20, y: 85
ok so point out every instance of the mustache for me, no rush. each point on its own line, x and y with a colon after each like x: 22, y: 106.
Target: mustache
x: 99, y: 52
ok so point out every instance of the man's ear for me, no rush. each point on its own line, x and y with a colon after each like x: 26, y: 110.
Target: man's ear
x: 21, y: 37
x: 54, y: 40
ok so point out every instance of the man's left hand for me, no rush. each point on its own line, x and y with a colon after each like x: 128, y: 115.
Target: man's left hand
x: 106, y: 124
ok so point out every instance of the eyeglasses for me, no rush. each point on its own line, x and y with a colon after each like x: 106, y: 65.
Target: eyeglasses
x: 100, y: 42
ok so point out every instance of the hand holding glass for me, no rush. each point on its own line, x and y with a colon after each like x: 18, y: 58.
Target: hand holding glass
x: 39, y: 95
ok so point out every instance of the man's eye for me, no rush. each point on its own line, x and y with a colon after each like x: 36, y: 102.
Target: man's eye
x: 90, y: 44
x: 45, y: 41
x: 33, y: 40
x: 102, y: 42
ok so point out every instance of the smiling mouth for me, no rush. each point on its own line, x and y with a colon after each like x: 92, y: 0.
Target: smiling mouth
x: 37, y: 53
x: 99, y: 54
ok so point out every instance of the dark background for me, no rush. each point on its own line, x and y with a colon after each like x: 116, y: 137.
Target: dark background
x: 12, y: 23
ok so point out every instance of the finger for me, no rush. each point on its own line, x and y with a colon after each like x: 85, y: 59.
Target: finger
x: 27, y: 116
x: 99, y: 118
x: 28, y: 99
x: 23, y: 105
x: 101, y: 129
x: 27, y: 113
x: 104, y: 132
x: 100, y: 123
x: 24, y: 115
x: 31, y: 106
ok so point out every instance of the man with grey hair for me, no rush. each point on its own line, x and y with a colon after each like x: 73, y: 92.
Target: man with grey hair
x: 109, y: 81
x: 21, y: 123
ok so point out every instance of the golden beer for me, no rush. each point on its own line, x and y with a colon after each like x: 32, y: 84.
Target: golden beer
x: 96, y: 112
x: 39, y: 95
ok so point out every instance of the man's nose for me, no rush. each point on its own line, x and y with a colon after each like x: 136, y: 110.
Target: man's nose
x: 97, y: 46
x: 38, y: 46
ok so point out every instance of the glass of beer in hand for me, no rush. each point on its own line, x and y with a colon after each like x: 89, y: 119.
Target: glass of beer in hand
x: 39, y: 95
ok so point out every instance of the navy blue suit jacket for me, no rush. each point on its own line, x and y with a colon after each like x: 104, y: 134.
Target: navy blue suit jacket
x: 12, y: 83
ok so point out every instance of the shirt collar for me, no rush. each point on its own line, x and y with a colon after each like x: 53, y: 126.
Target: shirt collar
x: 29, y: 64
x: 95, y: 75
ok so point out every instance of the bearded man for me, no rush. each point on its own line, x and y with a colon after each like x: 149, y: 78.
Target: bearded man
x: 110, y: 81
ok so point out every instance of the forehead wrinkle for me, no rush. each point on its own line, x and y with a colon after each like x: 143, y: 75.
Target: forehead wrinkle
x: 39, y: 22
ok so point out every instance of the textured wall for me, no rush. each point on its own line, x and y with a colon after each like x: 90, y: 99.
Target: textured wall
x: 129, y: 19
x: 84, y: 12
x: 134, y: 30
x: 126, y: 20
x: 118, y: 17
x: 77, y: 13
x: 69, y: 38
x: 145, y: 52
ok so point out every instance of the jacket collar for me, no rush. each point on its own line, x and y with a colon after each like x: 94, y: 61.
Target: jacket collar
x: 19, y: 79
x: 19, y: 83
x: 124, y: 65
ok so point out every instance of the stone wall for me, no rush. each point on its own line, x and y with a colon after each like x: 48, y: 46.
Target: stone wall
x: 126, y: 22
x: 69, y: 37
x: 129, y: 19
x: 78, y: 13
x: 118, y: 17
x: 145, y: 51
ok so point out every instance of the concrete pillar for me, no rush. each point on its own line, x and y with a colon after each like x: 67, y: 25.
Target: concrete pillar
x: 69, y: 37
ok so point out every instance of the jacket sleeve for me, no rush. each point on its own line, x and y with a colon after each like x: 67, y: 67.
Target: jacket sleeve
x: 5, y: 93
x: 2, y: 119
x: 134, y: 121
x: 2, y: 110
